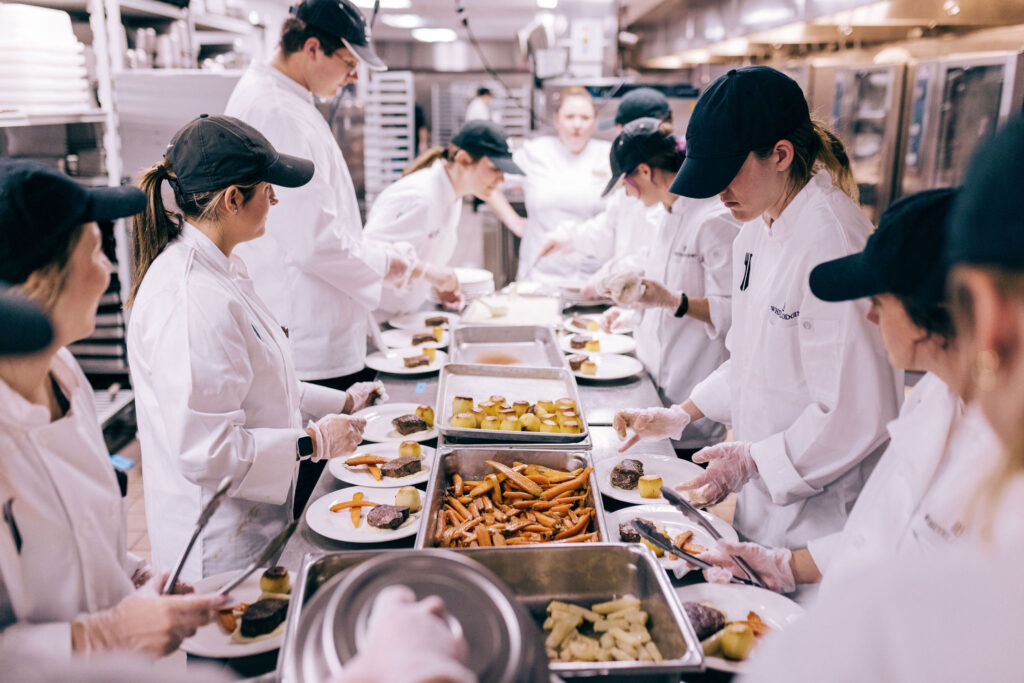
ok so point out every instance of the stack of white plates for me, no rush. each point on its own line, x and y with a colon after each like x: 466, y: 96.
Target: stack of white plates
x: 474, y: 283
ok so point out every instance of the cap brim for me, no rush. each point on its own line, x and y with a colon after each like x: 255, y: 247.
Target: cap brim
x: 612, y: 183
x: 847, y: 278
x: 703, y: 178
x: 367, y: 54
x: 111, y: 203
x: 506, y: 165
x: 289, y: 171
x: 23, y: 327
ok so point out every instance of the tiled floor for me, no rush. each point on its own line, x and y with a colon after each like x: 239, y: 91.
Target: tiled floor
x: 138, y: 537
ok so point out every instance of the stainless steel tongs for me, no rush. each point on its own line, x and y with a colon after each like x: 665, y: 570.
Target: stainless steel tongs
x: 204, y: 518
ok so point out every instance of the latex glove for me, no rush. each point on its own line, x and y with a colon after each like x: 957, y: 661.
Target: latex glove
x: 442, y: 278
x: 651, y: 423
x: 363, y: 395
x: 554, y: 244
x: 452, y: 301
x: 398, y: 267
x: 336, y: 435
x: 145, y: 622
x: 429, y: 650
x: 773, y: 564
x: 730, y: 467
x: 656, y: 295
x: 617, y: 319
x: 625, y: 288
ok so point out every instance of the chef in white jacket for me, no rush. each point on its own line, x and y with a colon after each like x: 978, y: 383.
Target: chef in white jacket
x: 215, y: 388
x: 423, y: 208
x: 901, y: 271
x: 685, y: 309
x: 67, y: 583
x: 315, y: 271
x: 808, y: 389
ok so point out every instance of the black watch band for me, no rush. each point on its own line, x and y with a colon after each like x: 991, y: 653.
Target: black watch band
x: 304, y: 447
x: 684, y: 306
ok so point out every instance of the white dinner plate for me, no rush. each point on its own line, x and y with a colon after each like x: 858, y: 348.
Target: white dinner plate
x: 672, y: 522
x: 672, y: 471
x: 393, y: 362
x: 596, y: 317
x: 417, y: 321
x: 338, y: 525
x: 610, y: 343
x: 360, y: 475
x: 211, y: 640
x: 735, y: 600
x: 397, y: 339
x: 611, y: 366
x: 379, y: 427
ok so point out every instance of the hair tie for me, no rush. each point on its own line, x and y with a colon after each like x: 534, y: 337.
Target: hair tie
x: 681, y: 144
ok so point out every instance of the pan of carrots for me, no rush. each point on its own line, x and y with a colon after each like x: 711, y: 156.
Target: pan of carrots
x: 502, y: 496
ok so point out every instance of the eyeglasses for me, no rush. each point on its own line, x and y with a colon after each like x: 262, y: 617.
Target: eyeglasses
x: 353, y: 66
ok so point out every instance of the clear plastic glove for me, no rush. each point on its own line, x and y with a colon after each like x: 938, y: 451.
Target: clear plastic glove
x: 363, y: 395
x: 624, y: 288
x: 452, y: 301
x: 618, y: 320
x: 553, y: 244
x: 773, y: 564
x: 398, y: 267
x: 650, y: 423
x: 730, y: 467
x: 656, y: 295
x: 336, y: 435
x: 442, y: 278
x: 429, y: 651
x: 145, y: 622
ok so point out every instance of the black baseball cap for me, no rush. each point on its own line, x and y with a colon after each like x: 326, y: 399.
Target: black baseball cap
x: 639, y: 141
x: 343, y: 19
x: 903, y: 256
x: 987, y: 226
x: 746, y: 109
x: 484, y: 138
x: 39, y: 206
x: 640, y: 103
x: 23, y: 327
x: 213, y: 152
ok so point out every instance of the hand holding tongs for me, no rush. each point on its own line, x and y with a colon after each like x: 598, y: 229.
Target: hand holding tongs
x: 204, y: 517
x: 650, y: 534
x: 263, y: 559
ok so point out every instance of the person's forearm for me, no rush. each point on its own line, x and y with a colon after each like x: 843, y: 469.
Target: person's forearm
x: 699, y: 310
x: 692, y: 410
x: 805, y: 570
x: 506, y: 214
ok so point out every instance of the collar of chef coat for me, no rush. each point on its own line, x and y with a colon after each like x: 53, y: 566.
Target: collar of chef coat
x: 18, y: 411
x: 788, y: 223
x: 681, y: 205
x: 285, y: 82
x: 232, y: 266
x: 444, y: 183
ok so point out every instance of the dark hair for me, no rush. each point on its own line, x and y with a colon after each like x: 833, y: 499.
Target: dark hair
x: 814, y: 147
x: 670, y: 154
x: 426, y: 159
x: 935, y: 319
x: 156, y: 227
x: 480, y: 92
x: 296, y: 32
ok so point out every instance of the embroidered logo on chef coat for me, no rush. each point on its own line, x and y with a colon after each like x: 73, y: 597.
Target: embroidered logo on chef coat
x: 685, y: 254
x: 781, y: 313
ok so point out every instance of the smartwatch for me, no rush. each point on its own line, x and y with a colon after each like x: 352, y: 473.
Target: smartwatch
x: 304, y: 447
x: 684, y: 306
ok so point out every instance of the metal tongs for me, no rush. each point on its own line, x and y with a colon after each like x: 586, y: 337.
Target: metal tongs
x: 692, y: 513
x: 204, y: 518
x: 269, y: 552
x: 651, y: 534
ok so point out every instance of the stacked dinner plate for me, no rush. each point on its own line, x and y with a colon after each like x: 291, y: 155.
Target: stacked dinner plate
x: 42, y: 64
x: 474, y: 282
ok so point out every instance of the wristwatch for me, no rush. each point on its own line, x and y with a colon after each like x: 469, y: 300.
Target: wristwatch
x: 684, y: 306
x: 304, y: 448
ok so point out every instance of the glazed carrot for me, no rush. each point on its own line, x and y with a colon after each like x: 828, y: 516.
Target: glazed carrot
x: 497, y: 538
x: 480, y: 489
x: 459, y: 508
x: 366, y: 460
x: 483, y: 536
x: 582, y: 538
x: 356, y: 512
x: 337, y: 507
x: 570, y: 485
x: 457, y: 484
x: 374, y: 471
x: 519, y: 480
x: 575, y: 529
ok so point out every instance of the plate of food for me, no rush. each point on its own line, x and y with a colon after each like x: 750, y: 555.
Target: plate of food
x: 683, y: 533
x: 359, y: 514
x: 252, y: 623
x: 416, y: 360
x: 731, y: 619
x: 597, y: 342
x: 421, y: 320
x: 385, y: 465
x: 604, y: 366
x: 435, y: 337
x: 398, y: 422
x: 637, y: 479
x: 589, y: 322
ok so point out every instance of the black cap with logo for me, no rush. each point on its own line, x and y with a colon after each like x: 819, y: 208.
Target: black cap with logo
x: 484, y: 138
x: 213, y: 152
x: 746, y: 109
x: 343, y: 19
x: 642, y: 103
x: 639, y: 141
x: 39, y: 206
x: 903, y: 257
x: 23, y: 327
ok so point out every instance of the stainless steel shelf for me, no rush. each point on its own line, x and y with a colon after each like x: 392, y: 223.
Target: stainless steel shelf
x: 216, y: 22
x: 19, y: 119
x: 151, y: 9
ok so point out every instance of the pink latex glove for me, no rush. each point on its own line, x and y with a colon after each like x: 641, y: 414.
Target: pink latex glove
x: 336, y: 435
x: 618, y: 320
x: 730, y: 467
x: 773, y: 564
x: 651, y: 423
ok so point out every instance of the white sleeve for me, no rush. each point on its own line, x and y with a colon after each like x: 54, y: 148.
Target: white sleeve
x: 316, y: 401
x: 715, y: 246
x: 594, y: 237
x: 398, y: 217
x: 51, y: 639
x: 713, y: 395
x: 823, y: 550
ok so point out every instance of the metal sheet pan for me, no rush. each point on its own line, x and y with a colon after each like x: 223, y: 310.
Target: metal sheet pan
x: 470, y: 463
x: 507, y: 345
x: 515, y: 384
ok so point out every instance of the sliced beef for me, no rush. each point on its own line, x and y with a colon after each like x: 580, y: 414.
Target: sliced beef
x: 263, y: 616
x: 387, y: 516
x: 579, y: 341
x: 417, y: 361
x: 628, y: 533
x: 436, y: 321
x: 577, y: 360
x: 409, y: 424
x: 423, y: 338
x: 627, y: 473
x: 706, y: 620
x: 401, y: 467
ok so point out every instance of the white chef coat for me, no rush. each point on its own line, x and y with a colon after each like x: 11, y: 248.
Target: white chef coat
x: 691, y: 251
x: 68, y: 513
x: 216, y: 395
x: 808, y: 382
x: 478, y: 109
x: 422, y: 210
x: 313, y: 268
x: 559, y: 187
x: 919, y: 449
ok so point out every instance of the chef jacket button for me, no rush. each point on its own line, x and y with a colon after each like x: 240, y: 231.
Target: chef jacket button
x: 807, y: 325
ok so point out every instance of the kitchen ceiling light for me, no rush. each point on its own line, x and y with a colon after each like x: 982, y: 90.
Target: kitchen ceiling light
x: 402, y: 20
x: 547, y: 4
x: 434, y: 35
x: 385, y: 4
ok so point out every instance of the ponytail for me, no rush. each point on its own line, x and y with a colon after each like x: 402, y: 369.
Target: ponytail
x: 832, y: 155
x: 154, y: 228
x: 815, y: 147
x: 427, y: 159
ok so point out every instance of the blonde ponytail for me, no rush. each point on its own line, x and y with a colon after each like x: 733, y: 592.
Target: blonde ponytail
x: 427, y: 159
x: 832, y: 155
x: 815, y: 147
x: 154, y: 228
